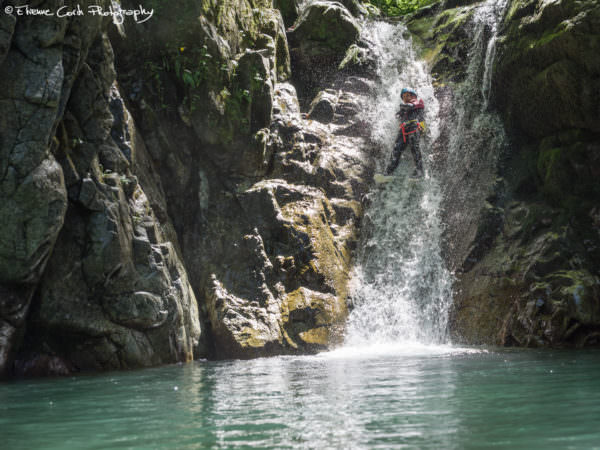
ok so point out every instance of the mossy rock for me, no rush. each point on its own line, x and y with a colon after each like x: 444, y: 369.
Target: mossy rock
x: 547, y: 66
x: 312, y: 319
x: 443, y: 41
x: 567, y: 169
x: 581, y: 293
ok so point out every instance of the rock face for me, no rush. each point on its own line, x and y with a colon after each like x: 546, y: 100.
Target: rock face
x: 191, y: 186
x: 32, y: 189
x: 84, y: 222
x: 264, y: 201
x: 319, y: 40
x: 163, y: 197
x: 527, y: 261
x: 546, y: 76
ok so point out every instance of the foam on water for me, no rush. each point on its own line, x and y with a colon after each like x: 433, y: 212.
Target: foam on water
x: 402, y: 348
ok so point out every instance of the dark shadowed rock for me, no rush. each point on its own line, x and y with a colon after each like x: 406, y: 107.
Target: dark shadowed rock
x: 323, y: 106
x: 39, y: 61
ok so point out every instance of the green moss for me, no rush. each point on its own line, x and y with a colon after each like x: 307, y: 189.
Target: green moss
x: 441, y: 41
x: 394, y: 8
x: 520, y: 8
x: 549, y: 36
x: 564, y: 166
x: 549, y: 167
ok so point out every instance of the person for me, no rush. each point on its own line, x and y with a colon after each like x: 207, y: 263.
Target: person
x: 412, y: 115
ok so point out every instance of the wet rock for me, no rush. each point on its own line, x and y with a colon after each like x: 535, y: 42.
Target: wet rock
x: 113, y: 159
x: 313, y: 318
x: 319, y: 41
x: 444, y: 40
x: 250, y: 307
x: 356, y: 8
x: 543, y: 56
x: 89, y: 195
x: 39, y: 61
x: 254, y: 77
x: 251, y: 186
x: 139, y: 302
x: 140, y: 310
x: 129, y: 306
x: 359, y: 61
x: 31, y: 215
x: 323, y: 106
x: 329, y: 24
x: 43, y: 365
x: 537, y: 286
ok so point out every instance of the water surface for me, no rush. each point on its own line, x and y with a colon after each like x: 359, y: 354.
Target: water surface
x: 414, y: 397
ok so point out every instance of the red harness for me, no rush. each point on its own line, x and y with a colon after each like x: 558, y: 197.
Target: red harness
x: 406, y: 133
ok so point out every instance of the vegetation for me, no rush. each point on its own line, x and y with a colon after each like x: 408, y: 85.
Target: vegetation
x: 399, y: 7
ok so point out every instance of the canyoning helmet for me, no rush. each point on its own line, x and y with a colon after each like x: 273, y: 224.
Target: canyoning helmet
x: 408, y: 91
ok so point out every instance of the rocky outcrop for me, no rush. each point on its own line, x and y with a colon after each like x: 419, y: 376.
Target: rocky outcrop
x: 526, y: 259
x: 545, y: 77
x: 264, y: 200
x: 115, y: 285
x: 84, y: 220
x: 442, y: 33
x: 319, y: 40
x: 32, y: 190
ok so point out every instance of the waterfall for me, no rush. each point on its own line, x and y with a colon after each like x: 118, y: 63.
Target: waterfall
x: 400, y: 289
x: 476, y: 140
x: 490, y: 13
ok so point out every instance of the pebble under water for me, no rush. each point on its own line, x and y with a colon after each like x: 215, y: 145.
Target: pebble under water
x: 378, y: 397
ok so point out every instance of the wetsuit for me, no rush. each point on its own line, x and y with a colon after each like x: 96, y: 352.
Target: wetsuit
x: 410, y: 114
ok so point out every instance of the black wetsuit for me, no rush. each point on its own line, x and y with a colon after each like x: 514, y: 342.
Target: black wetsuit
x: 410, y: 114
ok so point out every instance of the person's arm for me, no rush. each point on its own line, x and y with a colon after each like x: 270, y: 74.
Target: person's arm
x: 417, y: 104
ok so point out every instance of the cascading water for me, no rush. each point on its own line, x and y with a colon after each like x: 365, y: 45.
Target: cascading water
x: 489, y: 13
x: 400, y: 287
x: 475, y: 142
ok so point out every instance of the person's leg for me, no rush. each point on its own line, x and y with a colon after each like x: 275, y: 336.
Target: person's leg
x: 399, y: 147
x: 414, y: 143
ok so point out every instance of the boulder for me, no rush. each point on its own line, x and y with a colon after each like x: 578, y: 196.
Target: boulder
x: 322, y: 108
x: 319, y: 41
x: 255, y: 304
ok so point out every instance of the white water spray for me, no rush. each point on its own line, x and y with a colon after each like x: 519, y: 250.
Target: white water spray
x: 400, y: 287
